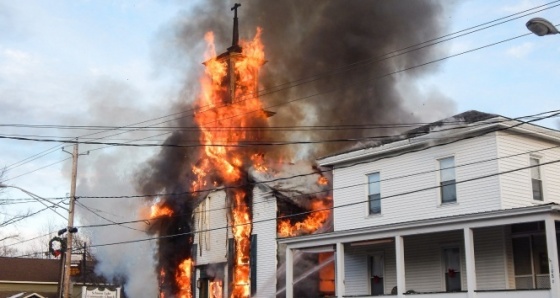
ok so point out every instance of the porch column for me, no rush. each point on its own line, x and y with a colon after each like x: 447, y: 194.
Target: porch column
x: 340, y: 290
x: 399, y: 252
x: 552, y: 250
x: 469, y: 258
x: 289, y: 273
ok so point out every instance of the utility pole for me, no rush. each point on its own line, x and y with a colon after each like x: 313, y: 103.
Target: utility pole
x: 70, y: 228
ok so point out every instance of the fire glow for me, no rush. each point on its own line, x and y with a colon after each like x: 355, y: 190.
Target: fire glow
x: 224, y: 113
x: 160, y: 210
x: 228, y: 111
x: 317, y: 217
x: 183, y: 279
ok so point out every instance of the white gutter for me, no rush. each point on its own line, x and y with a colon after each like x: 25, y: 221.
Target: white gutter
x: 28, y: 282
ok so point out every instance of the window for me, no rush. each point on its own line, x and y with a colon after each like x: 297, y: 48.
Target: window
x: 536, y: 180
x: 448, y: 190
x: 376, y: 271
x: 374, y: 193
x: 530, y: 261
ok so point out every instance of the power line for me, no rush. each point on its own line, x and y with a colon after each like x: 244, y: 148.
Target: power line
x: 103, y: 217
x: 324, y: 209
x: 17, y: 219
x: 313, y: 193
x: 369, y: 81
x: 322, y: 191
x: 196, y: 143
x: 452, y: 140
x: 406, y: 69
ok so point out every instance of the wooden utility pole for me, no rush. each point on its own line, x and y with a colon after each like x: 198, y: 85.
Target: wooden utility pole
x: 69, y: 231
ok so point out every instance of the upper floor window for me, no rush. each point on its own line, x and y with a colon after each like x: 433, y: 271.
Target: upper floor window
x: 536, y: 179
x: 448, y: 190
x: 374, y: 193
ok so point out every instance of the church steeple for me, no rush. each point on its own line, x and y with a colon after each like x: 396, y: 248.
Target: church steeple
x: 235, y: 40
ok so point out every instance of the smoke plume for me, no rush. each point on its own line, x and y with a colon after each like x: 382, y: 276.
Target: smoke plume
x: 310, y: 39
x: 315, y: 76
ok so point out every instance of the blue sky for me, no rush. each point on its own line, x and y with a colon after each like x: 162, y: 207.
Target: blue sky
x: 65, y: 62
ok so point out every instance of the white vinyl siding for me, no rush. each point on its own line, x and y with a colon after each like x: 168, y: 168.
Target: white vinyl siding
x: 211, y: 244
x: 490, y: 258
x: 264, y: 207
x: 516, y: 186
x: 357, y: 279
x: 479, y: 195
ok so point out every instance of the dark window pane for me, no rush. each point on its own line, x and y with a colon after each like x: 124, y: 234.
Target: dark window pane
x: 448, y: 191
x: 377, y: 286
x: 537, y: 189
x: 453, y: 282
x: 374, y: 203
x: 522, y: 256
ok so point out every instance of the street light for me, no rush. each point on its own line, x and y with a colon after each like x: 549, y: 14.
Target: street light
x: 541, y: 27
x: 37, y: 198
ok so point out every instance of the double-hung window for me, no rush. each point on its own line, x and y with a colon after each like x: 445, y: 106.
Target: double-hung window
x: 374, y: 193
x: 448, y: 191
x: 536, y: 180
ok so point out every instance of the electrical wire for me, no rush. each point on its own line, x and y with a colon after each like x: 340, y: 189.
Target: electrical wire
x: 361, y: 184
x: 387, y: 74
x: 103, y: 217
x: 18, y: 219
x: 323, y: 209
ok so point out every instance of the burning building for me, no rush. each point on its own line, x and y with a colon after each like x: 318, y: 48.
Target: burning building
x: 209, y: 233
x: 209, y: 224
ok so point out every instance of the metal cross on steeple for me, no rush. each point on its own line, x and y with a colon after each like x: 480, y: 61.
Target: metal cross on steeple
x: 235, y: 41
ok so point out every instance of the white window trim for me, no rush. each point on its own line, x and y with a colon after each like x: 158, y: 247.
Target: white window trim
x: 367, y: 214
x: 439, y: 202
x: 540, y: 158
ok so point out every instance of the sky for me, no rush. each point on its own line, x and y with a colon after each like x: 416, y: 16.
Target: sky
x: 85, y: 62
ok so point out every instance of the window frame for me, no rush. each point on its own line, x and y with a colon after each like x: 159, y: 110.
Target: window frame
x: 541, y: 178
x: 368, y: 203
x: 439, y: 180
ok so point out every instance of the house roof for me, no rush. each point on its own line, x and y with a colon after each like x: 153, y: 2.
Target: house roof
x: 464, y: 125
x: 33, y: 270
x: 20, y: 294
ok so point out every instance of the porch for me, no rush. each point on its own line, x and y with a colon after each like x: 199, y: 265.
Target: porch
x: 511, y: 253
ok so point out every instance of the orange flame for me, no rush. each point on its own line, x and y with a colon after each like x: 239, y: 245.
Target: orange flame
x: 183, y: 279
x: 323, y: 180
x: 161, y: 282
x: 258, y: 162
x: 228, y: 103
x: 216, y: 288
x: 160, y: 210
x: 312, y: 223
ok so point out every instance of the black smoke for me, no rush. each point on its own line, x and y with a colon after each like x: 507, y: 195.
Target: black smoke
x: 318, y: 40
x: 303, y: 39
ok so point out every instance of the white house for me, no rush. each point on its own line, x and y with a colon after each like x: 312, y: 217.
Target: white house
x: 464, y: 207
x: 213, y: 246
